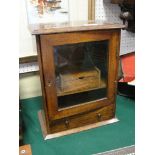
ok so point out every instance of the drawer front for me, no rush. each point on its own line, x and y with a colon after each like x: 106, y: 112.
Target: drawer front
x: 91, y: 117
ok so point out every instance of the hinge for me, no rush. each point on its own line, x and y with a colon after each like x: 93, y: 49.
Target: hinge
x: 117, y: 53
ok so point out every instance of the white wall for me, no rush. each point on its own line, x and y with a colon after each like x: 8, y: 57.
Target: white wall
x: 27, y: 45
x: 78, y: 10
x: 106, y: 11
x: 29, y: 85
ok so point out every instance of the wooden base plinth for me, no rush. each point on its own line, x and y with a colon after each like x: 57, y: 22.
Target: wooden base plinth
x: 47, y: 135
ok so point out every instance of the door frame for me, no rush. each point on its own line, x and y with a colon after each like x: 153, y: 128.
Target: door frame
x: 48, y: 41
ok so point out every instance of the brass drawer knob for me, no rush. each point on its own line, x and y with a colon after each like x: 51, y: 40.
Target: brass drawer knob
x: 67, y: 123
x: 99, y: 116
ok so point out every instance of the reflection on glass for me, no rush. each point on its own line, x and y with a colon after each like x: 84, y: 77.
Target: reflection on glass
x: 81, y: 72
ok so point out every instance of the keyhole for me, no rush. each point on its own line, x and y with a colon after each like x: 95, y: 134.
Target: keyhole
x: 82, y: 77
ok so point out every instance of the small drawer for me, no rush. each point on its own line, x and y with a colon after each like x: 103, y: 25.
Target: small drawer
x: 80, y: 120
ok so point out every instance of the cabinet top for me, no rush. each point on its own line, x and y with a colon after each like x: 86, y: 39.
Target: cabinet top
x: 50, y: 28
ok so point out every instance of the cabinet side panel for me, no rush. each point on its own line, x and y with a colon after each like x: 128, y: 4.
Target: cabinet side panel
x: 42, y: 81
x: 113, y: 64
x: 117, y: 38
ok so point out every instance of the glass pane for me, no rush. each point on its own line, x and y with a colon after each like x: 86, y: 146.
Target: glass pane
x: 81, y: 72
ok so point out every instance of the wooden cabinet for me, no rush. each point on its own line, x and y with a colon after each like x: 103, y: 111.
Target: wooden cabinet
x: 78, y: 68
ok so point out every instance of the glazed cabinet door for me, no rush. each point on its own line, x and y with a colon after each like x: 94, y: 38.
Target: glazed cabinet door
x: 79, y: 71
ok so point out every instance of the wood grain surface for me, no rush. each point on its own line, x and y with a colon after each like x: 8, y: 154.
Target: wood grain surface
x: 49, y: 28
x: 77, y: 115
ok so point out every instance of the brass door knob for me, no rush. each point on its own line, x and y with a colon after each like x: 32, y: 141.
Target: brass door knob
x: 49, y: 83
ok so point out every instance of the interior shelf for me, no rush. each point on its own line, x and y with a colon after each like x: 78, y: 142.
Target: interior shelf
x: 61, y: 93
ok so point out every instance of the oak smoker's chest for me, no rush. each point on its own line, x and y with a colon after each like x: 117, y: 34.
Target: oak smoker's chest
x: 78, y: 69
